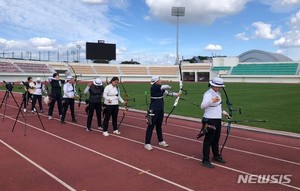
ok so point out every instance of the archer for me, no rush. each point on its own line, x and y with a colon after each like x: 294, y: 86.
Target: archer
x: 211, y: 121
x: 156, y: 111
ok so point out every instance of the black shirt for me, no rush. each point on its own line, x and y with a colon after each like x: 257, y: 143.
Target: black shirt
x: 157, y: 100
x: 95, y: 93
x: 56, y: 87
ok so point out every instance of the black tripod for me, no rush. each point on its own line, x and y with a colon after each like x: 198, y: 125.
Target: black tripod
x: 9, y: 87
x: 25, y: 101
x: 4, y: 100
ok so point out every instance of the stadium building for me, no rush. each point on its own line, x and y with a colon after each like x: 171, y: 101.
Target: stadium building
x: 252, y: 66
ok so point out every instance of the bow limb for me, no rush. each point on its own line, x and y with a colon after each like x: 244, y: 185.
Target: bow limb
x: 125, y: 103
x: 45, y: 83
x: 180, y: 92
x: 229, y: 121
x: 76, y: 80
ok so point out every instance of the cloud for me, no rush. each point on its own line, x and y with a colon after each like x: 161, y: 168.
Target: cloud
x: 165, y: 41
x: 282, y: 5
x: 280, y: 51
x: 121, y: 4
x: 295, y: 21
x: 61, y: 20
x: 242, y: 36
x: 36, y: 41
x: 2, y: 42
x: 147, y: 18
x: 291, y: 38
x: 196, y: 11
x: 264, y: 30
x: 95, y: 1
x: 213, y: 47
x: 59, y: 25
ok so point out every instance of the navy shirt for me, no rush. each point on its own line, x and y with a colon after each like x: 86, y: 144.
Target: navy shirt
x: 157, y: 100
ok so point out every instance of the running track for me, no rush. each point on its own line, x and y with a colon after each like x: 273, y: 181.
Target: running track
x: 66, y: 157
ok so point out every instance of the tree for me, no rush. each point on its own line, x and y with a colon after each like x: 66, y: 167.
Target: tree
x: 101, y: 61
x: 131, y: 62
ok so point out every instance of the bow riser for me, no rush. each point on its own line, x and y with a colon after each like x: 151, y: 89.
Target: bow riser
x: 180, y: 92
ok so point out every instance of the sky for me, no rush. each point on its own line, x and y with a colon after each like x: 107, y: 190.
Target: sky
x: 145, y: 30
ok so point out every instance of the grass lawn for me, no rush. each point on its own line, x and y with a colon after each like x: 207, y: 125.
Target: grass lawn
x: 277, y: 103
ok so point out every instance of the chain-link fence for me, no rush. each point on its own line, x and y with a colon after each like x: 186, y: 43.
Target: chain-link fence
x: 53, y: 56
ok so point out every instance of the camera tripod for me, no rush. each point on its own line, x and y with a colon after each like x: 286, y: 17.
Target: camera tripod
x: 25, y: 101
x: 4, y: 100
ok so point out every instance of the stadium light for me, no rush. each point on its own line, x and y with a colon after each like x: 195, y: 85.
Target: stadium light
x: 78, y: 52
x: 178, y: 12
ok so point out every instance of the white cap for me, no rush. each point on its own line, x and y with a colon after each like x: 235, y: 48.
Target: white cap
x: 38, y: 79
x: 217, y: 82
x: 154, y: 79
x: 97, y: 82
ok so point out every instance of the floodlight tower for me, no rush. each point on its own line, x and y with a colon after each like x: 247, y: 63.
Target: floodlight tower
x: 178, y: 12
x: 78, y: 52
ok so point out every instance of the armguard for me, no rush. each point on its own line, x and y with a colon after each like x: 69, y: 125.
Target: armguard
x: 165, y: 87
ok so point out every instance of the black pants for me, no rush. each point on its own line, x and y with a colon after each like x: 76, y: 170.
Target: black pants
x: 91, y: 108
x: 68, y: 102
x: 111, y: 110
x: 26, y: 97
x: 58, y: 99
x: 212, y: 139
x: 37, y: 98
x: 157, y: 120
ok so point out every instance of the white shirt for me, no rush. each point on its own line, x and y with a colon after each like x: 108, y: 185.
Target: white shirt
x: 39, y: 88
x: 112, y: 95
x: 69, y: 90
x: 212, y: 110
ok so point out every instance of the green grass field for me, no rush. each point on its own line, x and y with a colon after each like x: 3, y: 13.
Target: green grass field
x: 277, y: 103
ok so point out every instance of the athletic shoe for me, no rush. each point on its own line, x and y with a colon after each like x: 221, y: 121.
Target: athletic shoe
x: 105, y: 133
x: 219, y: 159
x: 116, y: 132
x: 163, y: 143
x: 24, y: 110
x: 87, y: 129
x: 148, y: 147
x: 32, y: 111
x: 49, y: 117
x: 207, y: 164
x: 100, y: 128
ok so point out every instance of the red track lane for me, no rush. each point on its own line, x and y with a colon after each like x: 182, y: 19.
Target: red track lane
x: 17, y: 173
x: 89, y: 161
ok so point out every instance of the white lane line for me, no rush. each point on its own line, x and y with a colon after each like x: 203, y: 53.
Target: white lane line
x: 237, y: 137
x: 197, y: 159
x: 229, y: 148
x: 165, y: 150
x: 39, y: 167
x: 265, y: 142
x: 111, y: 158
x: 193, y: 129
x: 194, y: 140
